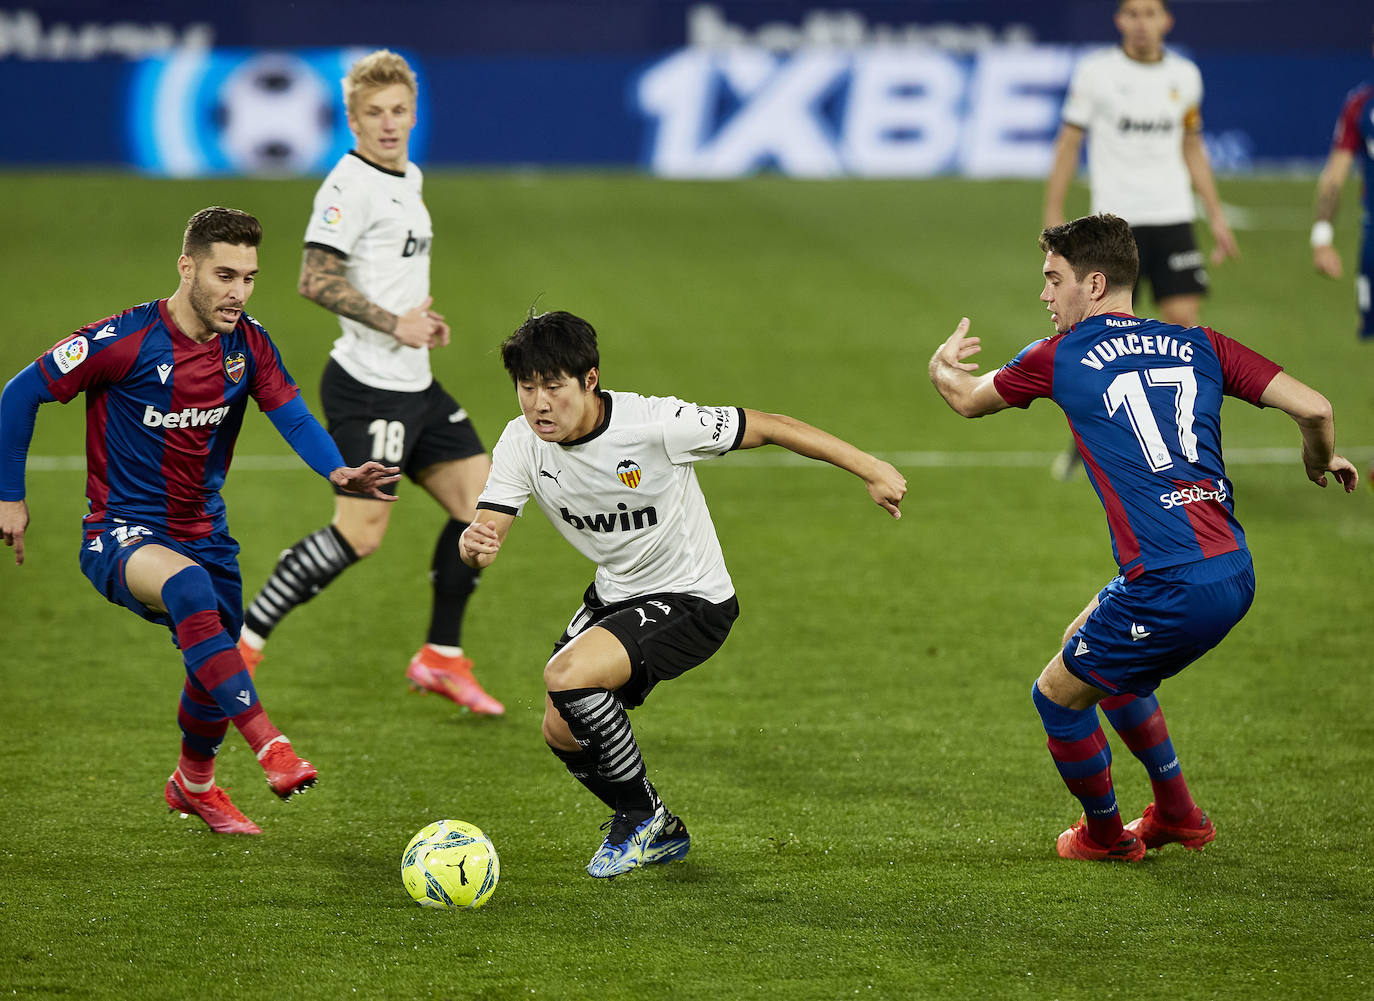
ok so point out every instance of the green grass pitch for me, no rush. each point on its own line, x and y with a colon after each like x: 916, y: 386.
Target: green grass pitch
x: 861, y: 767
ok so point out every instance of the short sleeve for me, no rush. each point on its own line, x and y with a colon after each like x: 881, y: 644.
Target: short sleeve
x: 1029, y: 376
x: 88, y: 358
x: 339, y: 218
x: 1078, y: 104
x: 1347, y: 133
x: 1246, y: 373
x: 692, y: 433
x: 508, y: 486
x: 272, y: 384
x: 1192, y: 101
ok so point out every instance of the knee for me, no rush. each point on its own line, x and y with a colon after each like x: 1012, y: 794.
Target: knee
x: 556, y: 732
x: 364, y: 539
x: 561, y: 673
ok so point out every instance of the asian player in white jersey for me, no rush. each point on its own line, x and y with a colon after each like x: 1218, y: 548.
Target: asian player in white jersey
x: 614, y: 474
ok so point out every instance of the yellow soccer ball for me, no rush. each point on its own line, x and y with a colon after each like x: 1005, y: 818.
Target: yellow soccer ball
x: 450, y: 863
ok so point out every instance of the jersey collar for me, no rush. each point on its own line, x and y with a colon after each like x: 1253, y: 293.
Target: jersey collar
x: 377, y: 166
x: 600, y: 428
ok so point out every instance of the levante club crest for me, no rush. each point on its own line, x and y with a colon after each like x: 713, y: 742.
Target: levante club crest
x: 628, y: 472
x: 234, y: 364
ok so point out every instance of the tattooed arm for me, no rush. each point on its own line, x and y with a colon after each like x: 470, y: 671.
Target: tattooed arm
x: 324, y: 280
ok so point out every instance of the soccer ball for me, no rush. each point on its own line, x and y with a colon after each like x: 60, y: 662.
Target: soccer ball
x: 450, y: 864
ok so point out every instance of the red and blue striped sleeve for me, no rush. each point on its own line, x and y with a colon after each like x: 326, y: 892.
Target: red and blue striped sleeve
x: 1030, y: 375
x: 1246, y: 373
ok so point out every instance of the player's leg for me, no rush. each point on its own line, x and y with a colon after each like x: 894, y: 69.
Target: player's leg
x: 1177, y: 272
x: 1181, y: 309
x: 440, y: 664
x: 1364, y: 281
x: 365, y: 423
x: 167, y: 581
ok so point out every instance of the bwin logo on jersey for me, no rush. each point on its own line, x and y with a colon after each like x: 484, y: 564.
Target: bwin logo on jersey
x: 620, y: 520
x: 416, y: 244
x: 191, y: 417
x: 628, y: 472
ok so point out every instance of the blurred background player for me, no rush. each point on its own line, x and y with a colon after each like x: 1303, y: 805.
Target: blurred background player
x: 1353, y: 137
x: 1143, y: 399
x: 367, y: 257
x: 166, y: 387
x: 1140, y: 105
x: 615, y: 475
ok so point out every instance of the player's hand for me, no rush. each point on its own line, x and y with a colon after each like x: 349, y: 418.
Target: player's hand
x: 479, y: 544
x: 956, y: 348
x: 367, y: 479
x: 1327, y: 261
x: 886, y: 486
x: 1341, y: 468
x: 440, y: 336
x: 1226, y: 246
x: 14, y: 520
x: 415, y: 328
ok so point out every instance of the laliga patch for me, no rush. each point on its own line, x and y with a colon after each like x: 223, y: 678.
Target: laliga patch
x: 234, y: 364
x: 71, y: 353
x: 332, y: 215
x: 627, y: 471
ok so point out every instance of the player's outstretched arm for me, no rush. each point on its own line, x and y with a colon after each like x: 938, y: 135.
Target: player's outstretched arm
x: 885, y: 484
x: 324, y: 280
x: 967, y: 394
x: 1312, y: 412
x: 1325, y: 257
x: 481, y: 541
x: 366, y: 480
x: 19, y: 403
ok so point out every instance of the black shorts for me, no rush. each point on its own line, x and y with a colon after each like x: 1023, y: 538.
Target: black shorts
x: 410, y: 430
x: 665, y: 635
x: 1171, y: 260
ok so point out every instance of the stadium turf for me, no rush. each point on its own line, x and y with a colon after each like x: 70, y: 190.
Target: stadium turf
x: 863, y: 773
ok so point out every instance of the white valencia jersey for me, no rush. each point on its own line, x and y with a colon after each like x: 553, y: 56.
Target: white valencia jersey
x: 378, y: 221
x: 626, y: 496
x: 1136, y: 114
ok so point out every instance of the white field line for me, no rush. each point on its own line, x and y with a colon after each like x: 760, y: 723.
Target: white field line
x: 772, y: 458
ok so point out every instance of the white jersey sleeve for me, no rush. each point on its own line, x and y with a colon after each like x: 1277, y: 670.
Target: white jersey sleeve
x: 1079, y: 104
x: 340, y: 217
x: 510, y: 482
x: 692, y: 433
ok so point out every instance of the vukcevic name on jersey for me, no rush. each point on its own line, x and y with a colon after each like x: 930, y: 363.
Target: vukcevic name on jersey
x: 626, y: 496
x: 1143, y: 399
x: 162, y: 412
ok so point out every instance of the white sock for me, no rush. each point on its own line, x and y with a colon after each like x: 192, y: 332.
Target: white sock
x: 446, y: 651
x: 252, y: 639
x: 280, y: 738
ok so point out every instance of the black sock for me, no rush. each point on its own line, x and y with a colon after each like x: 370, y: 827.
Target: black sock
x: 301, y: 573
x: 581, y: 767
x: 602, y: 727
x: 454, y: 582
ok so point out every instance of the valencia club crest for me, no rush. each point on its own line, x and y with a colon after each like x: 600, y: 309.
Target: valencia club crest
x: 627, y: 470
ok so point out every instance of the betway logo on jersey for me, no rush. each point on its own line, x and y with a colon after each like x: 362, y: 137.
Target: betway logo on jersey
x: 620, y: 520
x: 191, y: 417
x: 1194, y: 493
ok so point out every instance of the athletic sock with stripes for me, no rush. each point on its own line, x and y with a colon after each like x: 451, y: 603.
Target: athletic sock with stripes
x: 602, y: 727
x: 302, y: 572
x: 1139, y: 722
x: 1084, y: 759
x: 582, y: 767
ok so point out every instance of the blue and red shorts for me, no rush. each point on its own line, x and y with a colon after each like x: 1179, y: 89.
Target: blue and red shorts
x: 1150, y: 628
x: 105, y: 550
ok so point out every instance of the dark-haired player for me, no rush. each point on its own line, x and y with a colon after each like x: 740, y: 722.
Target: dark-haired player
x: 614, y: 473
x: 166, y: 387
x: 367, y: 256
x: 1143, y: 399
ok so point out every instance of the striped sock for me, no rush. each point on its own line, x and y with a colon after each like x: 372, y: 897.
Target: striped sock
x: 602, y: 727
x: 211, y: 656
x: 302, y: 572
x: 203, y: 725
x: 1139, y: 722
x: 582, y: 767
x: 1084, y: 759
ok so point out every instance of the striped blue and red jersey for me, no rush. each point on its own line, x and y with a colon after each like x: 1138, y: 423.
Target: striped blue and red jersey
x: 1143, y: 399
x: 163, y: 412
x: 1354, y: 133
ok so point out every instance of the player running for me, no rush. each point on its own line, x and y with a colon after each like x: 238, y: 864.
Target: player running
x: 166, y: 387
x: 367, y: 256
x: 614, y: 474
x: 1143, y: 400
